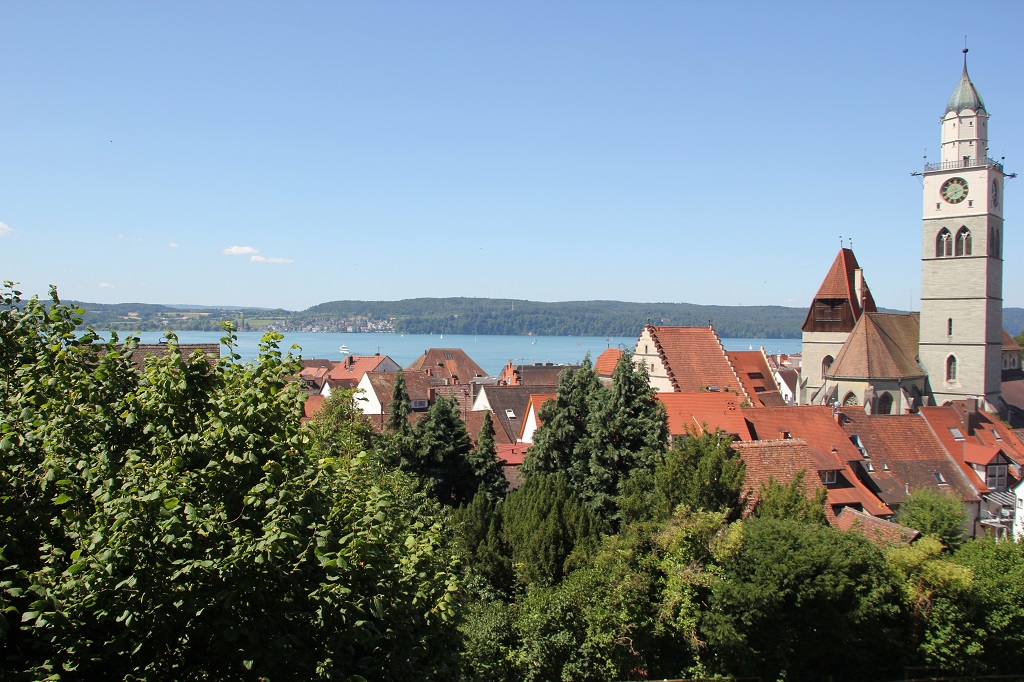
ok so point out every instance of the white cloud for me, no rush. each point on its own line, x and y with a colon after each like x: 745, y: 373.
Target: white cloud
x: 240, y: 251
x: 173, y: 245
x: 6, y: 231
x: 269, y: 259
x: 106, y: 285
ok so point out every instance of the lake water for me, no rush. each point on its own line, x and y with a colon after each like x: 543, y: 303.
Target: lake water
x: 490, y: 352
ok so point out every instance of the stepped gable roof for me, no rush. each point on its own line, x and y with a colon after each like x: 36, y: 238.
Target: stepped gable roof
x: 1009, y: 344
x: 905, y: 455
x: 451, y: 363
x: 514, y: 398
x: 879, y: 531
x: 840, y: 284
x: 697, y: 411
x: 965, y: 96
x: 881, y: 346
x: 695, y: 359
x: 757, y: 377
x: 351, y: 369
x: 606, y: 361
x: 781, y: 460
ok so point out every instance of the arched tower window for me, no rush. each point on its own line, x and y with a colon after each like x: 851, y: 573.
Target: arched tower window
x: 944, y: 244
x: 963, y: 242
x: 826, y: 362
x: 850, y: 400
x: 885, y: 403
x: 951, y: 368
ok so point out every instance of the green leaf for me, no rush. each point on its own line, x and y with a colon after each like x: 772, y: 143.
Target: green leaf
x: 170, y: 503
x: 63, y: 498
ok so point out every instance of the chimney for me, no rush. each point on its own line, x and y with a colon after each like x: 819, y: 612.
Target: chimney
x: 858, y: 287
x: 970, y: 415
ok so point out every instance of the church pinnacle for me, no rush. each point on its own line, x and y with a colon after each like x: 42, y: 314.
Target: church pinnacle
x: 966, y: 96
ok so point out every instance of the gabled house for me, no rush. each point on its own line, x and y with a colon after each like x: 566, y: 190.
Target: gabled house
x: 687, y: 360
x: 348, y: 373
x: 879, y: 531
x: 447, y: 363
x: 779, y: 459
x: 509, y: 405
x: 605, y: 364
x: 532, y: 420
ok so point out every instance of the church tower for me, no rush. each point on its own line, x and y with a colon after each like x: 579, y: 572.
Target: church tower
x: 962, y: 257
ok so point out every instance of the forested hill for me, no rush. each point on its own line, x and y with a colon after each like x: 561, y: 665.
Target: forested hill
x: 470, y: 316
x: 568, y: 318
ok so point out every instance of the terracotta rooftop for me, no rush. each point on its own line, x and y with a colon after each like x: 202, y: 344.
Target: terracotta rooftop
x: 781, y: 460
x: 840, y: 285
x: 975, y: 428
x: 878, y: 531
x: 351, y: 369
x: 757, y: 378
x: 451, y: 363
x: 311, y: 406
x: 881, y: 346
x: 159, y: 350
x: 695, y: 359
x: 1009, y: 343
x: 905, y: 455
x: 533, y: 406
x: 606, y: 361
x: 695, y: 411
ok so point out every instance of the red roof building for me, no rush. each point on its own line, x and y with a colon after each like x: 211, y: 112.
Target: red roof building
x: 704, y: 413
x: 687, y: 360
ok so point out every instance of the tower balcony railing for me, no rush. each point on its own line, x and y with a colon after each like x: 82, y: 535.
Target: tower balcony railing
x: 965, y: 163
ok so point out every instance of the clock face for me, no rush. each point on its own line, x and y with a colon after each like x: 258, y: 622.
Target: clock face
x: 954, y: 190
x: 995, y: 193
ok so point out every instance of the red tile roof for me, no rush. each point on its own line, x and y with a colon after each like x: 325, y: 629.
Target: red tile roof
x: 976, y: 428
x: 312, y: 405
x: 781, y: 460
x: 351, y: 369
x: 881, y: 346
x: 606, y: 361
x: 716, y: 411
x: 451, y: 363
x: 512, y: 454
x: 1009, y: 343
x: 757, y: 378
x: 878, y: 531
x: 840, y: 285
x: 695, y: 359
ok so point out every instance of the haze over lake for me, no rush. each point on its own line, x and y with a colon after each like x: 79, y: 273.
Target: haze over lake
x: 490, y: 352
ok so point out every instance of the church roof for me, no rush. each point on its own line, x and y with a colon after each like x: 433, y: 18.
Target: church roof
x: 881, y: 346
x: 966, y: 96
x: 840, y: 284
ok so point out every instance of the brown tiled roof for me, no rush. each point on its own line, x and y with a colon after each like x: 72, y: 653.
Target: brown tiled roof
x: 451, y: 363
x: 983, y: 431
x: 695, y: 359
x: 694, y: 411
x: 515, y: 398
x: 757, y: 378
x: 840, y: 285
x: 879, y: 531
x: 790, y: 376
x: 881, y: 346
x: 781, y: 460
x: 474, y: 420
x: 905, y: 456
x: 1009, y: 343
x: 606, y: 361
x: 539, y: 374
x: 311, y: 406
x: 417, y: 385
x: 351, y: 369
x: 828, y: 447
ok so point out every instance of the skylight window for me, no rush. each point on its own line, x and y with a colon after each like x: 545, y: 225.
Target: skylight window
x: 995, y: 434
x: 956, y: 433
x: 509, y: 413
x: 859, y: 444
x: 449, y: 356
x: 940, y: 479
x: 870, y: 467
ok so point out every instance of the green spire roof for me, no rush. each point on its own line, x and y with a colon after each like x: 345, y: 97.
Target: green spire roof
x: 965, y: 96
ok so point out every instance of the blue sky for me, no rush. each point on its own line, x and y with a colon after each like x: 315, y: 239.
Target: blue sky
x: 285, y: 154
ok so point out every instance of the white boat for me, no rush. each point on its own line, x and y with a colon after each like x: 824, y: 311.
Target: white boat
x: 344, y: 350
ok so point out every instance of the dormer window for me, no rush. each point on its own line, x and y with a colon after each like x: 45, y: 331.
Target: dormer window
x: 828, y: 477
x: 995, y: 476
x: 995, y: 434
x: 940, y: 479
